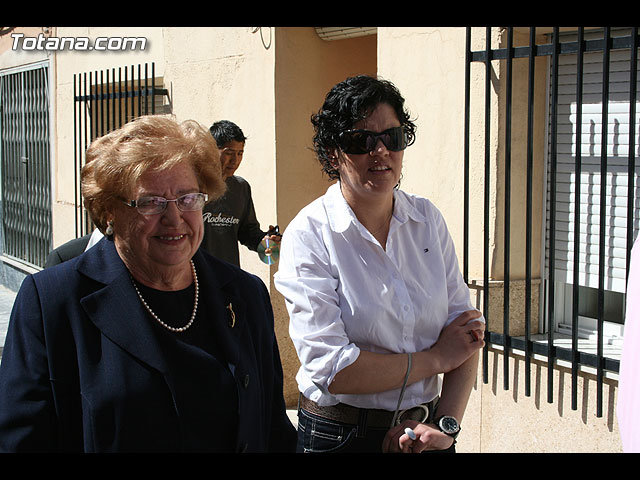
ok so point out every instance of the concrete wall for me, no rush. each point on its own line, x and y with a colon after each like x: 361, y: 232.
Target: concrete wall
x: 498, y: 420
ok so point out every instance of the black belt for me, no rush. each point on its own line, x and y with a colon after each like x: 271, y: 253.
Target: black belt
x: 369, y: 417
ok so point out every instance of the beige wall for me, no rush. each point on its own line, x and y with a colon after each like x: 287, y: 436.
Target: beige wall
x: 10, y: 58
x: 508, y: 421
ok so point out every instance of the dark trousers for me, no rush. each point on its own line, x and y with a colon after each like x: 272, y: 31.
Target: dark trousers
x: 320, y: 435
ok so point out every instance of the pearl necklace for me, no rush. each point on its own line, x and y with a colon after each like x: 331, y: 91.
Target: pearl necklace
x: 195, y: 304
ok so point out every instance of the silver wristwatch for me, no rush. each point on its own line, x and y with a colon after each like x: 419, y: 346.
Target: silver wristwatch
x: 448, y: 425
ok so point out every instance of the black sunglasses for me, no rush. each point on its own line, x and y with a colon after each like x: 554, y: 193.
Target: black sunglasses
x: 356, y: 142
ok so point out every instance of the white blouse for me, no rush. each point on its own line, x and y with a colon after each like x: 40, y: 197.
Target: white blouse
x: 345, y: 293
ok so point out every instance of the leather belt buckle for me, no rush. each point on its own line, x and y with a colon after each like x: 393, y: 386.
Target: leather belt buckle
x: 419, y: 413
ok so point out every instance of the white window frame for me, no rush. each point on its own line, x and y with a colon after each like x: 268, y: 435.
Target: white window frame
x: 616, y: 278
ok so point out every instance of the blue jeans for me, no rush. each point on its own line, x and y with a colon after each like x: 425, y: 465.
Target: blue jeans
x: 320, y: 435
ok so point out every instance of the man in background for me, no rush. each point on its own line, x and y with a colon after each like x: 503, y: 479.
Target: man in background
x: 231, y: 218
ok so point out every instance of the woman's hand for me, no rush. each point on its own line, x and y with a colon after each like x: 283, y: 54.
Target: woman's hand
x: 428, y: 437
x: 459, y: 340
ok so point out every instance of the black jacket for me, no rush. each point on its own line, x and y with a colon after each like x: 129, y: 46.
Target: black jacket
x: 80, y: 371
x: 67, y: 251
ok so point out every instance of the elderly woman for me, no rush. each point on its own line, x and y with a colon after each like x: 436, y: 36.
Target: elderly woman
x: 377, y: 305
x: 144, y: 342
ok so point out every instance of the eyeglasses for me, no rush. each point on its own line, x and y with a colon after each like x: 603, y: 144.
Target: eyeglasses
x: 155, y: 205
x: 356, y: 142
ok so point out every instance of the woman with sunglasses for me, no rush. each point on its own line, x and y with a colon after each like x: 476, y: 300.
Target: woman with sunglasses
x: 144, y: 343
x: 378, y: 309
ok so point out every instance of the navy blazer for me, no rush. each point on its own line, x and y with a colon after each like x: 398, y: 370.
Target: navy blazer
x: 81, y: 372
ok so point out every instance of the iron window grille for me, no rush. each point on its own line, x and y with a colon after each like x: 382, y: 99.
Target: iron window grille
x: 25, y: 155
x: 498, y: 333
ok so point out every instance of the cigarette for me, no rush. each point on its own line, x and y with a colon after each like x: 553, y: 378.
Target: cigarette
x: 411, y: 433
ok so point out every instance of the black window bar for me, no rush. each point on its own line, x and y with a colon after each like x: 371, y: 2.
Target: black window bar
x: 531, y: 52
x: 103, y: 102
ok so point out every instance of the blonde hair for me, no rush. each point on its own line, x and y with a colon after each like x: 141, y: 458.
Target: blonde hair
x: 116, y: 161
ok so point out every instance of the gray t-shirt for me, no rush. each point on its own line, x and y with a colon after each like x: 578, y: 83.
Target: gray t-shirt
x: 229, y: 220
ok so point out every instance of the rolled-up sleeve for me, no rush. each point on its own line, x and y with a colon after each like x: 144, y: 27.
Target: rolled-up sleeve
x: 309, y: 282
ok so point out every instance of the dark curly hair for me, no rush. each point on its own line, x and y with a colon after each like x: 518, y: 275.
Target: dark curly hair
x: 347, y: 103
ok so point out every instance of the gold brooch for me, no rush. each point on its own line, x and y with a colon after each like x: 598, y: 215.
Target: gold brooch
x: 233, y: 315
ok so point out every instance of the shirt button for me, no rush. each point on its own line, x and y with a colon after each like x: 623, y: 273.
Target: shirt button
x: 245, y: 381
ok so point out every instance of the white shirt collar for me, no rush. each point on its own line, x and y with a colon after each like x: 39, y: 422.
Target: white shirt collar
x: 340, y: 214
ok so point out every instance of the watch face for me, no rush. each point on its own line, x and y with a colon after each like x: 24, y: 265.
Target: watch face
x: 449, y: 425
